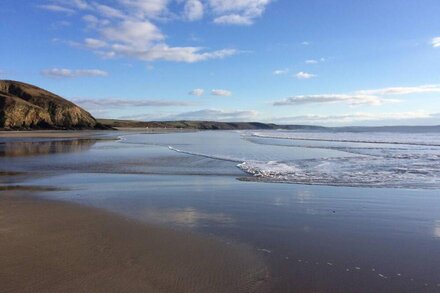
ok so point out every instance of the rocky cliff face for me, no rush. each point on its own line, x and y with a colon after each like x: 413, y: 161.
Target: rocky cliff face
x: 24, y: 106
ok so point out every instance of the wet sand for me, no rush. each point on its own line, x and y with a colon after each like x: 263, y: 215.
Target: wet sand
x: 48, y: 134
x: 49, y: 246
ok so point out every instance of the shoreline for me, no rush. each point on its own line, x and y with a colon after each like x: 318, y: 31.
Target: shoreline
x: 87, y: 133
x: 54, y: 246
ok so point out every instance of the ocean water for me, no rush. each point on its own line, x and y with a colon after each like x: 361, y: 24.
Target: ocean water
x: 368, y: 159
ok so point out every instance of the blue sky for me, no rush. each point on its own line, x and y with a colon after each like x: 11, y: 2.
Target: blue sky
x: 322, y: 62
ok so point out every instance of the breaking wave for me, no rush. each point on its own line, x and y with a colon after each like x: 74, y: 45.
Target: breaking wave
x: 396, y: 160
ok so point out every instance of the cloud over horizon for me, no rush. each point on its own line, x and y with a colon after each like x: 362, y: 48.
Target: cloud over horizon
x: 200, y: 115
x: 346, y: 119
x: 363, y: 97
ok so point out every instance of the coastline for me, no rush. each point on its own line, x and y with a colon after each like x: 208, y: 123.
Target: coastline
x: 54, y: 246
x: 51, y: 133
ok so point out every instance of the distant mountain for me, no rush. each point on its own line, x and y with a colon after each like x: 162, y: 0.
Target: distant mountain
x: 24, y: 106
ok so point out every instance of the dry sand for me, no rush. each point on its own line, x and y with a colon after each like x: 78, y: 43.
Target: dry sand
x: 48, y: 246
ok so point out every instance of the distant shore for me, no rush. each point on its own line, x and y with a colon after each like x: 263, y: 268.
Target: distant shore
x: 48, y: 246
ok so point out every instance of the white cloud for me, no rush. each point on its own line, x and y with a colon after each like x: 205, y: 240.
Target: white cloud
x: 353, y: 100
x: 118, y: 103
x: 197, y: 92
x: 108, y: 11
x: 436, y: 42
x: 222, y: 93
x: 403, y: 90
x: 136, y: 34
x: 304, y: 75
x: 238, y: 12
x: 149, y: 8
x: 127, y: 28
x: 281, y: 71
x: 56, y: 8
x: 193, y: 10
x: 164, y: 52
x: 69, y: 73
x: 233, y: 19
x: 305, y: 43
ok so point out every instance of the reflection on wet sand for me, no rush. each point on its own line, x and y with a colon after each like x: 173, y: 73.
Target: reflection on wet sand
x: 31, y: 148
x: 437, y: 229
x: 13, y: 188
x: 187, y: 217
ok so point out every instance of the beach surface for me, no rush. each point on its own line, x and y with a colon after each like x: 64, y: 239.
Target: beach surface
x: 48, y: 246
x: 127, y: 211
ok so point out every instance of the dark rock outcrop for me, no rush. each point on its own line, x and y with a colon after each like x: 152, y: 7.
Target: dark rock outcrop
x: 24, y: 106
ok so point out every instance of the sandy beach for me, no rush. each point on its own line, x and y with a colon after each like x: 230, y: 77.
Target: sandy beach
x: 48, y: 246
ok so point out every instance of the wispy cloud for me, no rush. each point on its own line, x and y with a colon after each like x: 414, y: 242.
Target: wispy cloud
x: 118, y: 103
x: 304, y: 75
x: 281, y: 71
x: 200, y: 115
x: 403, y: 90
x: 56, y: 8
x: 197, y: 92
x: 436, y: 42
x: 363, y: 97
x: 222, y: 93
x: 69, y: 73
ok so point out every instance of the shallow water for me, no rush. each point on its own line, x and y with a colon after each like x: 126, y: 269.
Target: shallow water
x: 314, y: 238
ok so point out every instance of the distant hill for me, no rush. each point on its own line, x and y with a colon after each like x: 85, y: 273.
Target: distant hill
x: 24, y: 106
x: 201, y: 125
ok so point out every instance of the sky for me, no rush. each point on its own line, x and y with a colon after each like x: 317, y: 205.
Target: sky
x: 331, y: 63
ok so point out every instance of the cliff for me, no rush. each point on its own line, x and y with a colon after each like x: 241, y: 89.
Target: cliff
x: 24, y: 106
